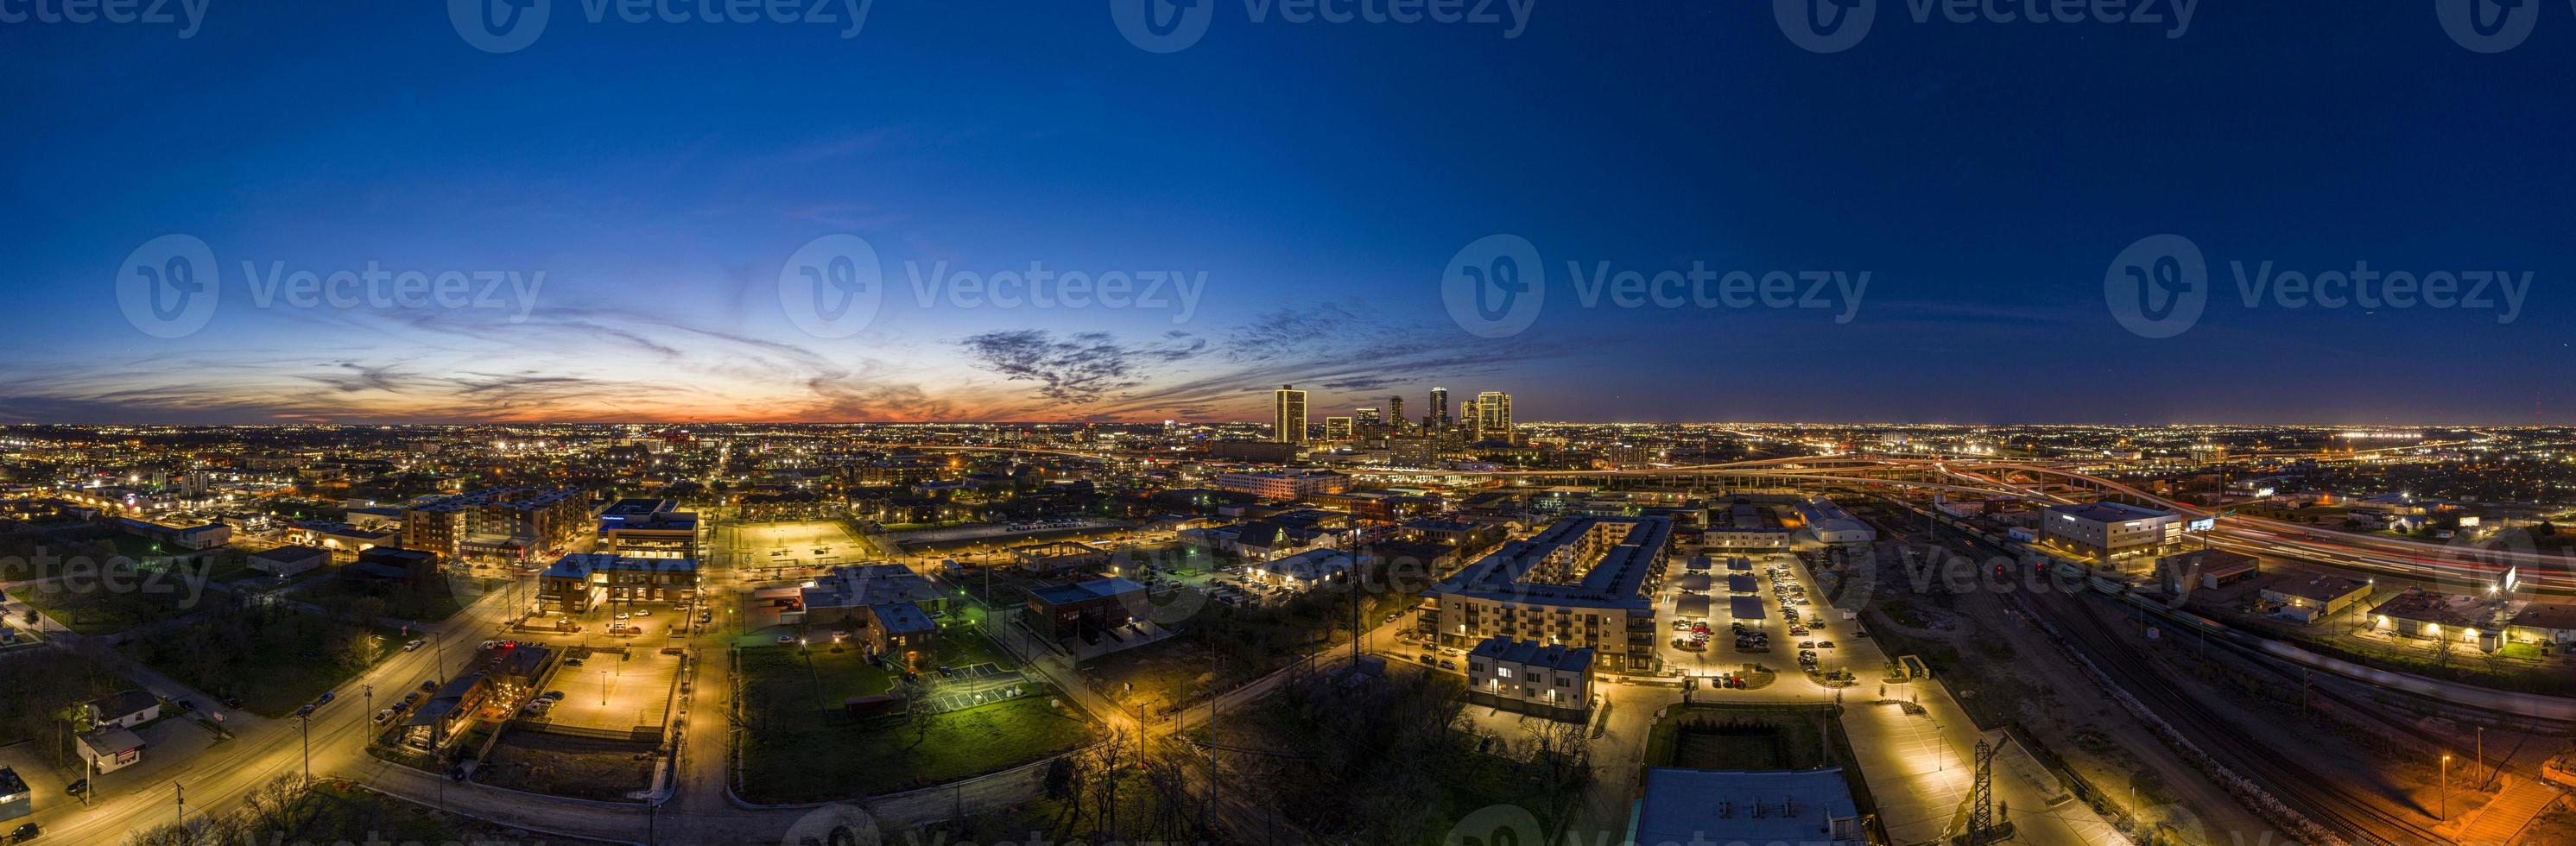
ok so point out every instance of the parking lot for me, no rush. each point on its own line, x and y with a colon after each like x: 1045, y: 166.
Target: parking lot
x: 612, y: 694
x: 1792, y: 634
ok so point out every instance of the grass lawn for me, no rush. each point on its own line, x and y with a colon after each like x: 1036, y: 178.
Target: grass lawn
x: 967, y: 648
x: 1741, y: 738
x: 805, y: 756
x: 840, y: 674
x: 98, y: 612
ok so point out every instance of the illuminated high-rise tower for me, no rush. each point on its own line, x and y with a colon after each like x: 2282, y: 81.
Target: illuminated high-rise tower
x: 1289, y: 426
x: 1440, y: 409
x: 1395, y: 415
x: 1494, y: 416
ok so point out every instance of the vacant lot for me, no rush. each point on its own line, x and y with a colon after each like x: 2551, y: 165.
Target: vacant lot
x: 799, y: 754
x: 1746, y: 738
x: 577, y: 767
x: 274, y: 660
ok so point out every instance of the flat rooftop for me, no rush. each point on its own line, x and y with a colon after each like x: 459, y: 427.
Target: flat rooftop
x: 1617, y: 580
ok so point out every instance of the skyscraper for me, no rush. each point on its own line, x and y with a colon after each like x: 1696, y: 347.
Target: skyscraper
x: 1494, y: 416
x: 1365, y: 419
x: 1395, y: 414
x: 1290, y: 425
x: 1338, y: 429
x: 1440, y: 408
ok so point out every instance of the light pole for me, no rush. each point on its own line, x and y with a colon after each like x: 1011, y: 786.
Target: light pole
x: 2446, y: 787
x: 304, y: 723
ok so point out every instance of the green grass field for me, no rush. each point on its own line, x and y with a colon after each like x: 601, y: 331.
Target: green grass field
x: 806, y: 756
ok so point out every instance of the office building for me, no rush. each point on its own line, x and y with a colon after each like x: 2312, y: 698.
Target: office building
x: 1439, y: 416
x: 1494, y: 416
x: 2107, y: 530
x: 1338, y: 429
x: 1366, y: 422
x: 1584, y: 582
x: 648, y: 528
x: 1288, y: 425
x: 1395, y: 415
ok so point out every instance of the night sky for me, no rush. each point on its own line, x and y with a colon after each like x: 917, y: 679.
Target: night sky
x: 1309, y: 183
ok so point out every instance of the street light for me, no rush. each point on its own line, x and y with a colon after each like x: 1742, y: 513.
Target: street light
x: 2446, y: 787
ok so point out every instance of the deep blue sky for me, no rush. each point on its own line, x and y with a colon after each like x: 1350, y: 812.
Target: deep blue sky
x: 1321, y: 176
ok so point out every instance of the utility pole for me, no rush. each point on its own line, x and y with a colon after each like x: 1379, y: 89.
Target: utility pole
x: 183, y: 800
x: 305, y: 724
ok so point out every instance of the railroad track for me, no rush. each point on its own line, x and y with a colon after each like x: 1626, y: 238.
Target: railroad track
x: 2318, y: 795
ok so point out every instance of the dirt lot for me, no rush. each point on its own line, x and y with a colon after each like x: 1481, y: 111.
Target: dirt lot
x: 576, y: 767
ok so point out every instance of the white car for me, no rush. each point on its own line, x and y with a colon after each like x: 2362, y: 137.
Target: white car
x: 413, y: 645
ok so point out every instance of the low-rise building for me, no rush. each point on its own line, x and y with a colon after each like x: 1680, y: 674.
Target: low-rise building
x: 1547, y: 680
x: 289, y: 561
x: 1300, y: 571
x: 124, y: 709
x: 2107, y: 530
x: 1829, y: 523
x: 900, y: 629
x: 1283, y: 485
x: 343, y: 540
x: 577, y: 583
x: 2201, y: 569
x: 2309, y: 596
x: 15, y: 799
x: 843, y: 595
x: 1807, y: 807
x: 648, y: 528
x: 1083, y: 609
x: 109, y: 749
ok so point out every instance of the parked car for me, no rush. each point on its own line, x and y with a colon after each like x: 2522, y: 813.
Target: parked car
x: 384, y: 715
x: 644, y: 613
x: 25, y: 833
x: 325, y: 699
x: 429, y: 685
x: 233, y: 702
x: 305, y: 711
x: 551, y: 696
x: 77, y: 788
x: 786, y: 638
x: 413, y: 645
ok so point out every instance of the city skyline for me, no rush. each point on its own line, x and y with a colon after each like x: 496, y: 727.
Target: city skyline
x: 650, y: 216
